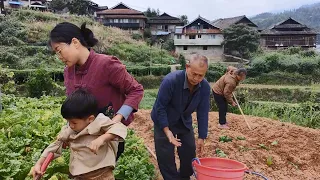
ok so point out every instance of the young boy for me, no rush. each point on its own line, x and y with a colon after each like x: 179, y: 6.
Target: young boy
x: 92, y: 139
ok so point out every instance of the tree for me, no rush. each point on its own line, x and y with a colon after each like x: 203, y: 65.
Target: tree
x: 184, y: 19
x: 182, y: 61
x: 152, y: 13
x: 39, y: 83
x: 79, y: 7
x: 241, y: 38
x: 58, y: 5
x: 169, y: 45
x: 147, y: 33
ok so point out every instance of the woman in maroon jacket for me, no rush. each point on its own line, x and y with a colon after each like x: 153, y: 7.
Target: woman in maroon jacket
x: 117, y: 92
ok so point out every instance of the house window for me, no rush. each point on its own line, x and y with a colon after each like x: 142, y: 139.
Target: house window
x: 205, y: 47
x: 159, y: 27
x: 185, y: 48
x: 133, y: 21
x: 123, y: 20
x: 199, y: 36
x: 192, y: 37
x: 116, y: 20
x: 178, y: 36
x: 212, y: 36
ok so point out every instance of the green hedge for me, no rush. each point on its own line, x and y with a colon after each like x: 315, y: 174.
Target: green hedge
x: 279, y: 94
x: 138, y: 53
x: 283, y: 78
x: 214, y: 72
x: 303, y: 63
x: 149, y: 70
x: 20, y: 76
x: 150, y: 82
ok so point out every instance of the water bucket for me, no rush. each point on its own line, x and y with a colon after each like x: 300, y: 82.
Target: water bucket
x: 220, y: 169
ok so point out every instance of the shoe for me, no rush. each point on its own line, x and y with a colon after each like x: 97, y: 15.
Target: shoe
x: 223, y: 126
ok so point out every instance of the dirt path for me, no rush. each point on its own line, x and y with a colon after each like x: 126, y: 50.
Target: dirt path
x: 295, y: 156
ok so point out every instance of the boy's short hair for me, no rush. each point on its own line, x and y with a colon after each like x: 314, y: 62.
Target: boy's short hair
x: 80, y: 104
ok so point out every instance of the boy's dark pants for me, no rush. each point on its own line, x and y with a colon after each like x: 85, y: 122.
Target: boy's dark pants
x: 120, y: 149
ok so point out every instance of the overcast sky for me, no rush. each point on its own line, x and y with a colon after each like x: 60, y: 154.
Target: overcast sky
x: 211, y: 9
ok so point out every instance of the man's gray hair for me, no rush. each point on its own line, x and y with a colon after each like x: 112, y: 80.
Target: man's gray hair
x: 241, y: 71
x: 202, y: 60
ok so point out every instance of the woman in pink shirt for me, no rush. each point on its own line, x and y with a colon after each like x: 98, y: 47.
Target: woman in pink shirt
x: 117, y: 92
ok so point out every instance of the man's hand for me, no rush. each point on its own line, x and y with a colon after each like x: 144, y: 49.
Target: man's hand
x: 96, y: 144
x: 200, y: 147
x: 234, y: 104
x: 117, y: 118
x: 171, y: 138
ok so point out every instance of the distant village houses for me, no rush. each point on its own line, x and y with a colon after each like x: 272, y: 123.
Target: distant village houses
x: 123, y: 17
x: 34, y: 4
x: 164, y: 26
x: 205, y: 37
x: 43, y: 5
x: 289, y: 33
x: 199, y: 36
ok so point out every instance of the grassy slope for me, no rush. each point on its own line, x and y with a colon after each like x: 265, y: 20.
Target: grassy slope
x: 24, y: 35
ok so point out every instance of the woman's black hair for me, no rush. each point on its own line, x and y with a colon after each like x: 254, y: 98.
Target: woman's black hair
x: 80, y: 104
x: 65, y: 31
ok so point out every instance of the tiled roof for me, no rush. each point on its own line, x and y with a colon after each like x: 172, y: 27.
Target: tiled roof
x: 227, y: 22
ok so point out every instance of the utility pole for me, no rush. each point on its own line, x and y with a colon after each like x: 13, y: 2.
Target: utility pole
x: 161, y: 43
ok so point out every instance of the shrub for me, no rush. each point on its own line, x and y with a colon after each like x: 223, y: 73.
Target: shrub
x: 309, y: 53
x: 7, y: 84
x: 169, y: 45
x: 137, y: 36
x: 147, y: 33
x: 294, y: 63
x: 39, y: 83
x: 278, y: 94
x: 12, y: 32
x: 9, y: 59
x: 283, y: 78
x: 139, y: 53
x: 147, y: 70
x: 150, y: 82
x: 292, y: 50
x: 182, y: 61
x: 214, y: 72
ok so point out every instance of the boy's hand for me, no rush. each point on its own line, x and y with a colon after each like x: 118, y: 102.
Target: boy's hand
x: 117, y: 118
x: 36, y: 171
x: 96, y: 144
